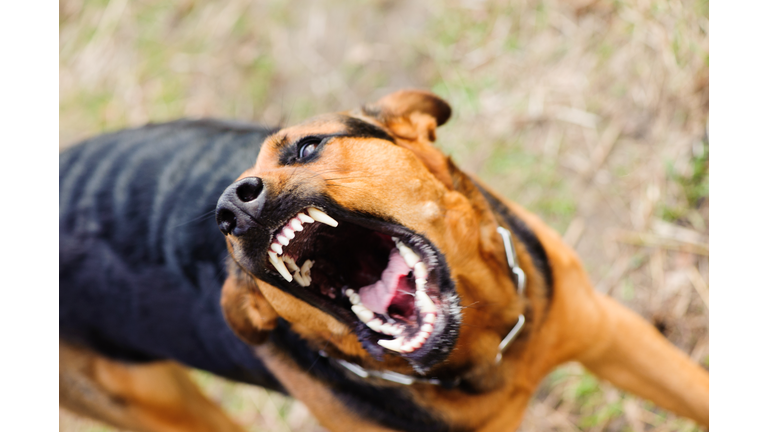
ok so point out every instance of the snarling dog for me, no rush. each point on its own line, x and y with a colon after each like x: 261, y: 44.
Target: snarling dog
x: 352, y: 252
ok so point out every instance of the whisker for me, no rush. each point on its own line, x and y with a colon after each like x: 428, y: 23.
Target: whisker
x: 197, y: 219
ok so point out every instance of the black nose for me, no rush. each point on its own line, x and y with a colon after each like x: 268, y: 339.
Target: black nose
x: 240, y: 205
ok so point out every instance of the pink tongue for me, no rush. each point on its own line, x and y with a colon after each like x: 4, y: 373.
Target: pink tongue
x: 377, y: 297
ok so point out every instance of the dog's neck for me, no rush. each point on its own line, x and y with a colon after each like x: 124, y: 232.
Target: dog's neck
x: 505, y: 221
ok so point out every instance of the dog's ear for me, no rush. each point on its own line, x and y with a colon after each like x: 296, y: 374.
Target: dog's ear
x: 246, y: 310
x: 412, y: 117
x: 410, y: 114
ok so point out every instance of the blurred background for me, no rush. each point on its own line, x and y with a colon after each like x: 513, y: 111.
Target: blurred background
x: 591, y: 113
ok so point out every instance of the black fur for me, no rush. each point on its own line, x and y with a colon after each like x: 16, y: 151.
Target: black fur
x: 363, y: 129
x: 142, y: 262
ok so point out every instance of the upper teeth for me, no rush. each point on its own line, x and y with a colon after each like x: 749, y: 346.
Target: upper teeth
x: 284, y: 237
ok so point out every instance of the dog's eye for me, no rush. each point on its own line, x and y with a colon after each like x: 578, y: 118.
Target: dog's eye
x: 308, y: 146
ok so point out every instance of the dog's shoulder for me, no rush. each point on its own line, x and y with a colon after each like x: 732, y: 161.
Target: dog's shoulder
x: 138, y: 245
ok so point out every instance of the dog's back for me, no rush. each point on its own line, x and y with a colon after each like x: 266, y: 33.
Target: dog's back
x: 141, y: 261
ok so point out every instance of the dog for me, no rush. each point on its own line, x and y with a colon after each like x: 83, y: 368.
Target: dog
x: 351, y: 251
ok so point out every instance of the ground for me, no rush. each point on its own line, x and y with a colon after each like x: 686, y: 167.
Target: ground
x: 591, y: 113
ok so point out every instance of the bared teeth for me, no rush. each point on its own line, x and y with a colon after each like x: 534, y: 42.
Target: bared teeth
x: 301, y: 280
x: 408, y: 255
x: 392, y: 330
x: 302, y: 274
x: 280, y: 266
x: 424, y: 303
x: 288, y: 232
x: 290, y: 263
x: 421, y: 284
x: 362, y: 312
x: 277, y: 248
x: 374, y: 324
x: 420, y: 270
x: 353, y: 297
x: 304, y: 218
x: 295, y: 224
x: 289, y: 270
x: 392, y: 345
x: 321, y: 217
x: 429, y: 318
x: 306, y: 267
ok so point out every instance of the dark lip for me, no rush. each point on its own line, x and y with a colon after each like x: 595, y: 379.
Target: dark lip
x: 441, y: 342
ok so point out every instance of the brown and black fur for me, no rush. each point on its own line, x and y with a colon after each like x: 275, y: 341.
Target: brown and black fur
x: 145, y: 277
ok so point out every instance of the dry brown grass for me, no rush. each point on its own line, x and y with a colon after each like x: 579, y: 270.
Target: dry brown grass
x: 591, y: 113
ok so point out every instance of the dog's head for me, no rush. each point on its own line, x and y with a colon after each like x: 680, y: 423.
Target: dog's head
x: 367, y: 239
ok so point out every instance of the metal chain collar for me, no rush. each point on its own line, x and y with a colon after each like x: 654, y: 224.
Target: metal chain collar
x: 520, y: 280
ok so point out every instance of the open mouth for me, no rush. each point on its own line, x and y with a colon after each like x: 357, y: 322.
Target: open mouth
x: 389, y: 284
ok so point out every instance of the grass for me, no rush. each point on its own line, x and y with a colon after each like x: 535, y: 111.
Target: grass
x: 590, y: 111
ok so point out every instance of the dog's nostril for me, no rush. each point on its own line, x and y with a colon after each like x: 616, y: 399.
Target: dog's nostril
x: 227, y: 221
x: 249, y: 191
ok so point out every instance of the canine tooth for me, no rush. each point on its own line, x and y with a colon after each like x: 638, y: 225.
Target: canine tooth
x: 288, y: 232
x: 295, y: 225
x: 421, y: 284
x: 321, y: 217
x: 374, y: 324
x: 290, y: 263
x: 362, y: 312
x: 408, y: 255
x: 387, y: 329
x: 426, y: 327
x: 425, y: 302
x: 283, y: 240
x: 392, y: 345
x: 429, y: 318
x: 280, y: 266
x: 420, y: 270
x: 277, y: 247
x: 304, y: 218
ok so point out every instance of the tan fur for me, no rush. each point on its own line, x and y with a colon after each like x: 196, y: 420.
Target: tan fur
x: 412, y: 182
x: 418, y: 186
x: 157, y: 397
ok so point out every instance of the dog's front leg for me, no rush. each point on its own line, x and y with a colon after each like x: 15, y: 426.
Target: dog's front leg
x: 632, y: 354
